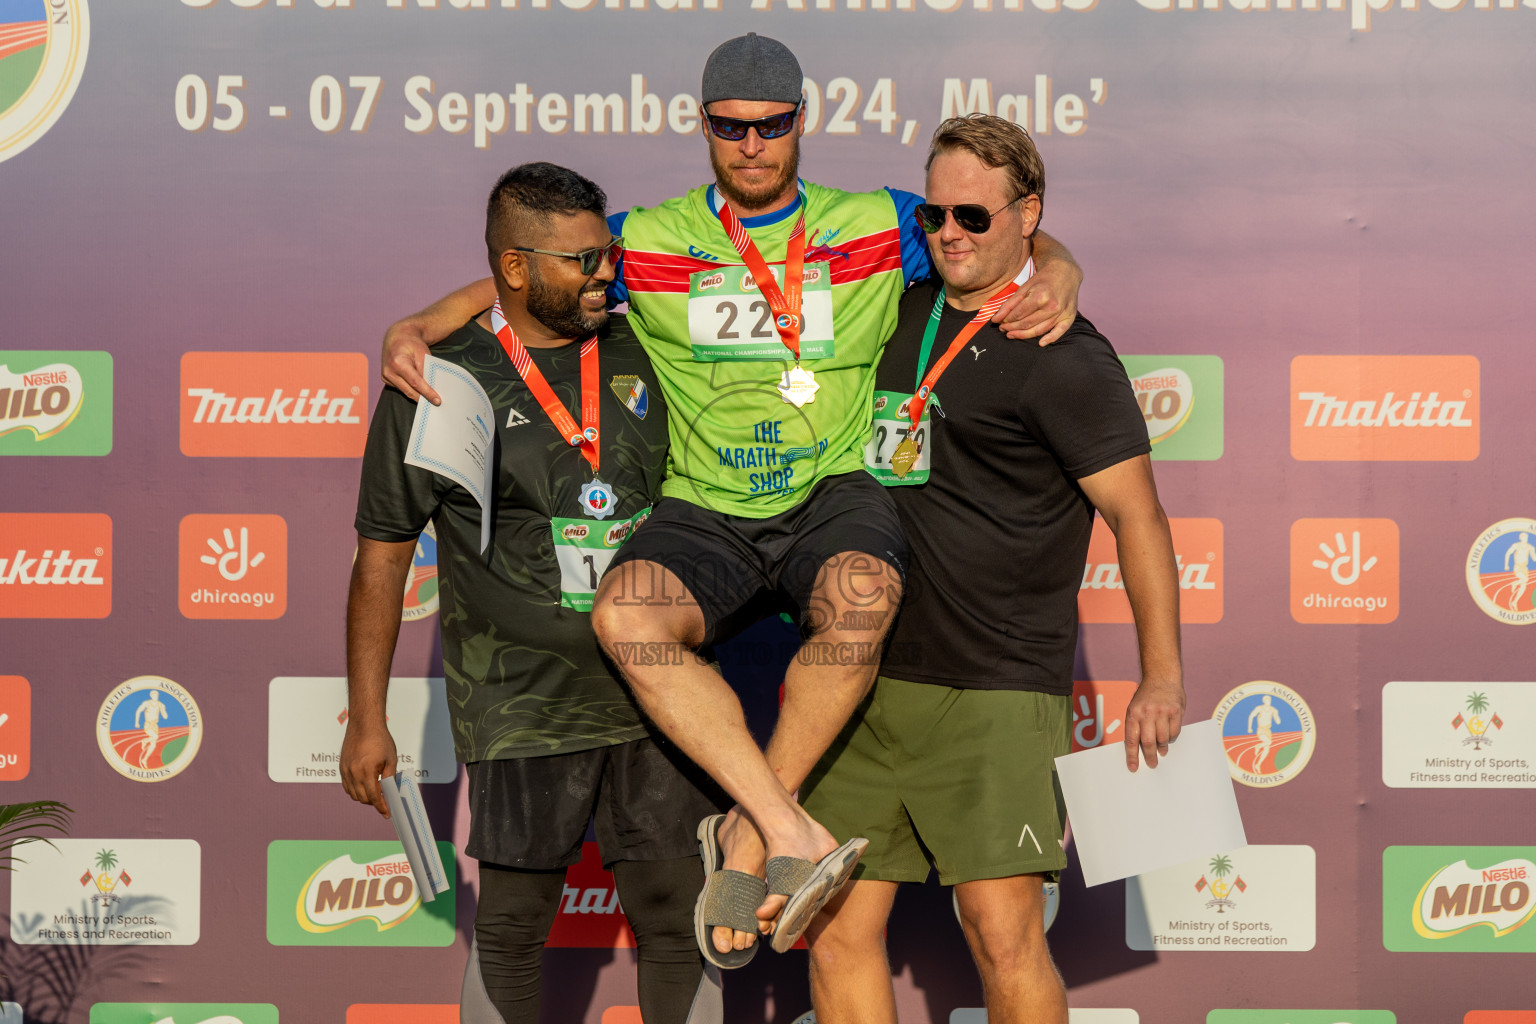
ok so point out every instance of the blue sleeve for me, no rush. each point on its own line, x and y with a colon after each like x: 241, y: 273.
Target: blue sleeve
x: 617, y: 293
x: 916, y: 264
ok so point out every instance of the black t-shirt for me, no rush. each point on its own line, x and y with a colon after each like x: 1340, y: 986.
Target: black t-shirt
x: 999, y: 533
x: 524, y: 673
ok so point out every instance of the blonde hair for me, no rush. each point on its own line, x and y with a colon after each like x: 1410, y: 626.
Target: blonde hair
x: 996, y: 142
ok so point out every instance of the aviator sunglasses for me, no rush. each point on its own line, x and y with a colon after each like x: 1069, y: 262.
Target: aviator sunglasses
x: 972, y: 217
x: 590, y: 259
x: 734, y: 129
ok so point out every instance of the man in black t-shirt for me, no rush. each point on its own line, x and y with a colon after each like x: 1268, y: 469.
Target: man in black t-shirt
x: 998, y: 455
x: 550, y: 733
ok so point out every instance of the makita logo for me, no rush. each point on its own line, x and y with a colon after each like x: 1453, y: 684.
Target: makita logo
x: 1197, y: 546
x: 217, y: 407
x: 49, y: 569
x: 1414, y: 411
x: 274, y: 404
x: 1107, y: 577
x: 55, y: 565
x: 1385, y: 408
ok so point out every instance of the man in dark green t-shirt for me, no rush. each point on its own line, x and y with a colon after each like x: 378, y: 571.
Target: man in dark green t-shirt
x: 550, y: 734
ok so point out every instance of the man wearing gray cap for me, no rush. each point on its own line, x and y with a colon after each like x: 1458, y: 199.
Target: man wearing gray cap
x: 764, y: 303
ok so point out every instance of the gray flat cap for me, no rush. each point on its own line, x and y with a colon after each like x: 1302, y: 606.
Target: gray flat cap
x: 752, y: 67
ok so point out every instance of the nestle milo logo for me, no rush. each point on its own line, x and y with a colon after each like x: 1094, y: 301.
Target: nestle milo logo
x: 714, y: 280
x: 576, y: 531
x: 55, y: 403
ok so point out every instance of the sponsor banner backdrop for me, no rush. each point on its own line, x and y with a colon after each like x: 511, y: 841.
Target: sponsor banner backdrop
x: 361, y: 893
x: 1257, y: 899
x: 386, y: 1013
x: 55, y: 403
x: 977, y: 1015
x: 1301, y: 1017
x: 307, y: 721
x: 1458, y: 735
x: 1458, y: 899
x: 1304, y: 226
x: 15, y: 728
x: 108, y: 892
x: 184, y: 1013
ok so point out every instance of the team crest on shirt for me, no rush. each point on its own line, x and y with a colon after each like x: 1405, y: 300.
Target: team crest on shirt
x: 630, y: 390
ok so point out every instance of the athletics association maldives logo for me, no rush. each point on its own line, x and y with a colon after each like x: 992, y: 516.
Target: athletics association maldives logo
x: 149, y: 729
x: 1501, y: 571
x: 421, y: 581
x: 43, y: 44
x: 1268, y: 732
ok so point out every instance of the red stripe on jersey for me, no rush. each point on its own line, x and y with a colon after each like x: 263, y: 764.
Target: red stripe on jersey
x: 854, y: 260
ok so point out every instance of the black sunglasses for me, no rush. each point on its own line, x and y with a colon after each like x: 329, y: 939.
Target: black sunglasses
x: 972, y: 217
x: 734, y: 129
x: 590, y: 259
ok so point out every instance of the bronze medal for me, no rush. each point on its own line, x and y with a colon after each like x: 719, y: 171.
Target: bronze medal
x: 904, y: 457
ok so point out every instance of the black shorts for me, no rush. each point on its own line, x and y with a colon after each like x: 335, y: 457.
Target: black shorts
x: 739, y: 569
x: 645, y: 799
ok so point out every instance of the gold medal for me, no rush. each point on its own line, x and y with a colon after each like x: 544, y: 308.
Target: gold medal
x: 904, y: 457
x: 798, y: 386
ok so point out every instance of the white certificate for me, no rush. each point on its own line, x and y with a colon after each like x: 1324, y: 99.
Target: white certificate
x: 457, y: 440
x: 1127, y: 823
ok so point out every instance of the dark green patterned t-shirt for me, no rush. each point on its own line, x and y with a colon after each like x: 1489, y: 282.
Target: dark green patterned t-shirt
x: 524, y: 672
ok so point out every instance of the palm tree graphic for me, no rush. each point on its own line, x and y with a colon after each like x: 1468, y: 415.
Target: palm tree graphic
x: 106, y: 860
x: 1221, y: 866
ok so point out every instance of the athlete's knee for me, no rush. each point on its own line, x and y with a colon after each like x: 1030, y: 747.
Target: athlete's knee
x: 658, y: 899
x: 854, y: 592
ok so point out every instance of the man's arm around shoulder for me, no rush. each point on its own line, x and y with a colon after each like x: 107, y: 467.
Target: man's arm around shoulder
x: 374, y: 601
x: 1126, y: 496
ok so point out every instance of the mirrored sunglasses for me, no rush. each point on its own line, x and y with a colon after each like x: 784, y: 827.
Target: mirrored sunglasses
x: 734, y: 129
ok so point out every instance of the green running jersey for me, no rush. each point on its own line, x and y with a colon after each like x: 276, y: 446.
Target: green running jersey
x: 736, y: 446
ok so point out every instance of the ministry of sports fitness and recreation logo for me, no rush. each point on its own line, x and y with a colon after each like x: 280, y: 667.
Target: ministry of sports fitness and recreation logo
x: 55, y: 403
x: 1501, y: 571
x: 149, y: 729
x: 1268, y: 732
x: 1479, y: 716
x: 108, y: 892
x: 1183, y: 402
x: 1223, y: 891
x: 43, y: 44
x: 182, y: 1013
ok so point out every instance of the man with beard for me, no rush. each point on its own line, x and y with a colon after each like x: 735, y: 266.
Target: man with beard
x: 950, y: 763
x: 551, y: 736
x: 764, y: 303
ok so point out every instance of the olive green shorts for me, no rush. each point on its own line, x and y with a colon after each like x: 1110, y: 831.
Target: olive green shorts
x: 963, y: 780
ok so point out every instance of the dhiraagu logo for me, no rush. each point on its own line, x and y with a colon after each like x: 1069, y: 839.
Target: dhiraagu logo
x: 183, y: 1013
x: 1183, y: 400
x: 322, y: 893
x: 1458, y: 899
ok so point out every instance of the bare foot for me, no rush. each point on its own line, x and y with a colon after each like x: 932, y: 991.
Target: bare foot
x: 800, y: 836
x: 741, y: 848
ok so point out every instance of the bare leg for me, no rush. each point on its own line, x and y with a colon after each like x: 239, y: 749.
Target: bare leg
x: 1004, y: 924
x: 850, y: 974
x: 852, y: 606
x: 650, y: 626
